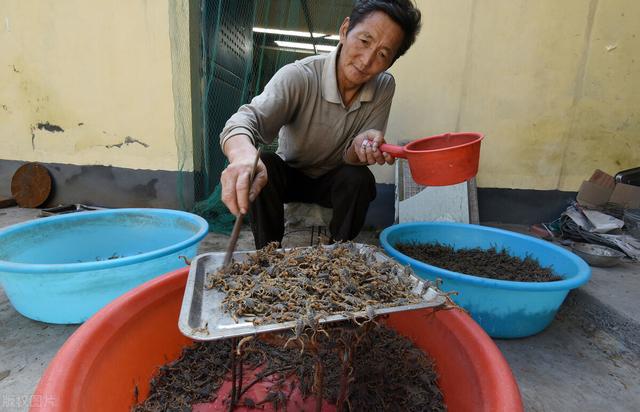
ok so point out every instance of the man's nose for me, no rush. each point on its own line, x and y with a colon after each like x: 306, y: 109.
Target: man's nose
x: 367, y: 57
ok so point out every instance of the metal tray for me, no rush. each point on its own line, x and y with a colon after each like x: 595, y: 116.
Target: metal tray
x: 202, y: 318
x: 597, y: 255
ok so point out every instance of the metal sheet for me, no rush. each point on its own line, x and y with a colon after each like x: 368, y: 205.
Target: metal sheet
x: 202, y: 318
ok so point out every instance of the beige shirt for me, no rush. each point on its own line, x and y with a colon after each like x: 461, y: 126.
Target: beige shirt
x: 302, y: 106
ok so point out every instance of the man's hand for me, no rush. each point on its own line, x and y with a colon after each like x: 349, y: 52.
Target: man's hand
x: 237, y: 190
x: 365, y: 149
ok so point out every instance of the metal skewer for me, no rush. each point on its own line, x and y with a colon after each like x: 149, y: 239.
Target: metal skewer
x: 235, y: 233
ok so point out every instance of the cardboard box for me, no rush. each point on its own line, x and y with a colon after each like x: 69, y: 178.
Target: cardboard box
x: 601, y: 188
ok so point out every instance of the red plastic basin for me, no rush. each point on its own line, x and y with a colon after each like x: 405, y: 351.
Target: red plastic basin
x: 123, y: 344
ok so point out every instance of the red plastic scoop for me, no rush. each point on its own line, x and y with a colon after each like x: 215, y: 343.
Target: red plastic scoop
x: 442, y: 160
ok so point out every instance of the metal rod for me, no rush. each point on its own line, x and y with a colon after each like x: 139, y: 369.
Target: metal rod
x: 232, y: 401
x: 318, y: 382
x: 307, y: 17
x: 239, y: 377
x: 345, y: 378
x: 235, y: 233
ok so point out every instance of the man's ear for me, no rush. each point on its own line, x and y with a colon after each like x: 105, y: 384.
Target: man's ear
x: 344, y: 27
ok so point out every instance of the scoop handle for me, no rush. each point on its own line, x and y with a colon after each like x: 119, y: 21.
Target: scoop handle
x: 393, y: 150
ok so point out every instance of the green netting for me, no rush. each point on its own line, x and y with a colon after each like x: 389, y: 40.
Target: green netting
x: 237, y: 59
x: 215, y: 212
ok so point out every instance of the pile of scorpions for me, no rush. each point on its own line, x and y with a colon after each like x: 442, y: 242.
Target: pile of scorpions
x: 308, y: 284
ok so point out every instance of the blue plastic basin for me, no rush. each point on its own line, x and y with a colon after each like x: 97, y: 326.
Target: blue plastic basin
x: 63, y: 269
x: 504, y: 309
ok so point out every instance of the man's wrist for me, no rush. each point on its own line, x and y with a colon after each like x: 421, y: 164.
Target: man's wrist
x: 238, y: 145
x: 350, y: 155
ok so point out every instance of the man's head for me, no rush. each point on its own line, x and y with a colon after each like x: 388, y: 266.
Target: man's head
x: 402, y: 12
x: 373, y: 37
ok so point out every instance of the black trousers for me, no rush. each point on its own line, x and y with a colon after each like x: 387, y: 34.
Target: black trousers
x: 347, y: 189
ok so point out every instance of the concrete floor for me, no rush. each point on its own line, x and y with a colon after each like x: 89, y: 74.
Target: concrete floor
x: 587, y: 360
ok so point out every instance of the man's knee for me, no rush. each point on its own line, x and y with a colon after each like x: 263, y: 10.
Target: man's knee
x: 276, y: 170
x: 270, y: 160
x: 357, y: 178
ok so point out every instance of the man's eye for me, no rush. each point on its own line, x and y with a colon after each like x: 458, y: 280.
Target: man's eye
x: 363, y: 41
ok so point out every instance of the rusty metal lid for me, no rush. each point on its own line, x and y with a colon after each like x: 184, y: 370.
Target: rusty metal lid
x: 31, y: 185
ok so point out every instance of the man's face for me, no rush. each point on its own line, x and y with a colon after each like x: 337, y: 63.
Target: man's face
x: 368, y: 49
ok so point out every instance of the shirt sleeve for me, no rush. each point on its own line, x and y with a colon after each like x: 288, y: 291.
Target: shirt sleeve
x: 262, y: 119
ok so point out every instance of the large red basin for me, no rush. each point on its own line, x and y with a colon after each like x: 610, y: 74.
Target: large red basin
x: 123, y: 344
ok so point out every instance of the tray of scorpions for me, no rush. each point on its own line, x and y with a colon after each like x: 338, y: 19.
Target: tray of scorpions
x: 272, y: 290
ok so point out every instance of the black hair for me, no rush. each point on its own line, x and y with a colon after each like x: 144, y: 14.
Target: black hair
x: 403, y: 12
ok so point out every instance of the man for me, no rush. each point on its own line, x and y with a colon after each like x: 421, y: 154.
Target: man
x: 330, y: 113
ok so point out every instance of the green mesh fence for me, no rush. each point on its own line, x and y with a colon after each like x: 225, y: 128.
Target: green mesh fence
x: 243, y: 43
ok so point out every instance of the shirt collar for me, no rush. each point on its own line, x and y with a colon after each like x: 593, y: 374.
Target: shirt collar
x: 330, y: 82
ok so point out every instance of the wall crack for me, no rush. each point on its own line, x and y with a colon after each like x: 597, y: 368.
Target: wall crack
x: 53, y: 128
x: 46, y: 126
x: 127, y: 141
